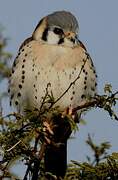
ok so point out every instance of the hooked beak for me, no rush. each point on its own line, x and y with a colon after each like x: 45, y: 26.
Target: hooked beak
x: 71, y: 36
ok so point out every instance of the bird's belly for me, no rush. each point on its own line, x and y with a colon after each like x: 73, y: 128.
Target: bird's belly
x: 48, y: 82
x: 57, y: 84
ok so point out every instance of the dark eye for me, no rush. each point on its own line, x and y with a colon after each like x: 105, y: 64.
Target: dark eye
x: 58, y: 31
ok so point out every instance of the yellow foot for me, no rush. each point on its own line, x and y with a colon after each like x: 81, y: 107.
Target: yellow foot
x: 47, y: 128
x: 68, y: 112
x: 48, y: 132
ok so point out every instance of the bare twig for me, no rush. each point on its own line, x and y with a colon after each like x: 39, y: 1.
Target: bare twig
x: 44, y: 98
x: 86, y: 105
x: 37, y: 162
x: 13, y: 146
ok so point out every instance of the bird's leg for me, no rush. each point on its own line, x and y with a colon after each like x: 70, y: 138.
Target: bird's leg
x: 48, y: 130
x: 47, y: 127
x: 73, y: 114
x: 68, y: 112
x: 55, y: 158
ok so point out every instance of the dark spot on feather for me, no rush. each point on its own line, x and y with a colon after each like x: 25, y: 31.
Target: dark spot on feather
x: 85, y: 87
x: 13, y: 71
x: 23, y: 72
x: 94, y: 72
x: 12, y: 96
x: 23, y: 77
x: 73, y: 92
x: 16, y: 103
x: 83, y: 70
x: 20, y: 86
x: 83, y: 96
x: 71, y: 98
x: 19, y: 94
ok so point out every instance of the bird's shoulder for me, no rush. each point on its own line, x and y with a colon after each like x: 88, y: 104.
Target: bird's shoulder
x: 25, y: 42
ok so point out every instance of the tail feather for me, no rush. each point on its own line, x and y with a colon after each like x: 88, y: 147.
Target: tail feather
x: 55, y: 159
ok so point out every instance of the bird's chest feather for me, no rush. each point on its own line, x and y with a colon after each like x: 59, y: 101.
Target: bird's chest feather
x: 53, y: 69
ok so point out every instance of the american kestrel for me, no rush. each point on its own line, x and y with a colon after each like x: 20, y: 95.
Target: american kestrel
x: 52, y: 57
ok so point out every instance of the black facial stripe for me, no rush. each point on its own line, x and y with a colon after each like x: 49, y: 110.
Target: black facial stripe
x: 61, y: 41
x: 72, y: 40
x: 45, y: 34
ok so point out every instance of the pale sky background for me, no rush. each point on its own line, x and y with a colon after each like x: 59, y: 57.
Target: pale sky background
x: 98, y: 21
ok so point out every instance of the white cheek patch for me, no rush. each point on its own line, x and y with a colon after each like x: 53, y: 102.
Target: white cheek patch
x: 52, y: 38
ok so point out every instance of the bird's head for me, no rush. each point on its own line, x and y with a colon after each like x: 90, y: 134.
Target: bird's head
x: 60, y: 28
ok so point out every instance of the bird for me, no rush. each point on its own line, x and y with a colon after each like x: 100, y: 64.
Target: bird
x: 53, y: 58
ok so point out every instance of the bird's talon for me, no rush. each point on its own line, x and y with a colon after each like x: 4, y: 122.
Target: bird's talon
x: 48, y: 141
x: 47, y: 128
x: 68, y: 111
